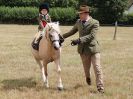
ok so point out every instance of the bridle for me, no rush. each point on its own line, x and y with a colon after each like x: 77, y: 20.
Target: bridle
x: 50, y: 36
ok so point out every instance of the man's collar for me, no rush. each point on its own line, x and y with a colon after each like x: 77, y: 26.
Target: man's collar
x: 89, y: 17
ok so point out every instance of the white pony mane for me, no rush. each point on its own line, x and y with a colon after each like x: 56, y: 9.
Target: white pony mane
x: 55, y: 26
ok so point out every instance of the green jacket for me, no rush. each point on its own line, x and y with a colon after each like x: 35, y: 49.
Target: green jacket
x: 87, y: 35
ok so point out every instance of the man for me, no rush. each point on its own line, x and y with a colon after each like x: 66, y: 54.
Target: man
x: 88, y: 46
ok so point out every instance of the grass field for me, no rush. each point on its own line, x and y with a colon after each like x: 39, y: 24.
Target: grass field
x: 20, y: 76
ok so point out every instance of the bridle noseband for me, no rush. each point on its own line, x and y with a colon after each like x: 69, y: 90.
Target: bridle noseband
x: 54, y: 40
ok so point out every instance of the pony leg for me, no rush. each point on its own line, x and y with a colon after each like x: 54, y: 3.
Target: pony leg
x: 39, y: 63
x: 42, y: 69
x: 60, y: 85
x: 45, y: 74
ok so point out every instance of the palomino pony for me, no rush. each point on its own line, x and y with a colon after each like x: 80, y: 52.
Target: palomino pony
x: 49, y: 51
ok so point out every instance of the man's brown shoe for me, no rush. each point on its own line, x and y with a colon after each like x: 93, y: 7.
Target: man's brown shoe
x: 101, y: 91
x: 88, y: 80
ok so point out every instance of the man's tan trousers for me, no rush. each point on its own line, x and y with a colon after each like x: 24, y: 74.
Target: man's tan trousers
x: 87, y: 60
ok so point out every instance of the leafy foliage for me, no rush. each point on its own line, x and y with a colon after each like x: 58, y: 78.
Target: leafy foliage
x: 28, y: 15
x: 108, y: 11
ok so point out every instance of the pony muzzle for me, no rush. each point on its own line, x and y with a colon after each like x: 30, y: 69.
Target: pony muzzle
x: 56, y: 45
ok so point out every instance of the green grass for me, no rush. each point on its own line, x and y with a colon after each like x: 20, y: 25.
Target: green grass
x: 20, y: 76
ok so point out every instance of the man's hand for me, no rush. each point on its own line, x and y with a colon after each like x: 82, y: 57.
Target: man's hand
x: 61, y: 38
x: 75, y: 42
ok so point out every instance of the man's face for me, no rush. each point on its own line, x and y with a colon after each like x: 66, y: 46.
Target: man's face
x: 44, y: 11
x: 83, y: 16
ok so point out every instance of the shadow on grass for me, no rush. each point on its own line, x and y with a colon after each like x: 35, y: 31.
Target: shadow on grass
x: 65, y: 89
x: 18, y: 84
x: 27, y: 83
x: 93, y: 92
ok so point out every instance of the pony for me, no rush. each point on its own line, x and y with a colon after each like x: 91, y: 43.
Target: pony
x: 49, y: 51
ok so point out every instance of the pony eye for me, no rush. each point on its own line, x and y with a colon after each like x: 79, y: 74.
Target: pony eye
x: 50, y: 28
x: 50, y: 35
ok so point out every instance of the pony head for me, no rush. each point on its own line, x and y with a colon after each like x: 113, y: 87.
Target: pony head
x: 54, y: 34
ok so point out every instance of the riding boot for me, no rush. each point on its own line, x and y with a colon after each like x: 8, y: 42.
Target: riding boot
x: 35, y: 43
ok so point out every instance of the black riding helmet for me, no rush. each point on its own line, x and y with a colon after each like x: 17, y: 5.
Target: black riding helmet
x: 43, y: 6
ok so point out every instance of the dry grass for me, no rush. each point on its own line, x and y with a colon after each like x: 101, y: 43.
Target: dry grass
x: 20, y: 76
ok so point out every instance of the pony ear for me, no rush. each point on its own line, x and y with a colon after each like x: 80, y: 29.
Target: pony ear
x: 49, y: 25
x: 57, y: 23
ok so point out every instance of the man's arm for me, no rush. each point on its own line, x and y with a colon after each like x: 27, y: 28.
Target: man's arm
x: 90, y: 36
x: 71, y: 32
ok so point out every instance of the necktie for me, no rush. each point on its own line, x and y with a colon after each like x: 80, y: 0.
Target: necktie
x: 83, y: 23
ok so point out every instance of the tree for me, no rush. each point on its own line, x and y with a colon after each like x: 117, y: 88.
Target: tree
x: 62, y: 3
x: 109, y: 11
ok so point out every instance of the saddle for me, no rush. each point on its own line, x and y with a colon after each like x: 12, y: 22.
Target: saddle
x: 36, y: 45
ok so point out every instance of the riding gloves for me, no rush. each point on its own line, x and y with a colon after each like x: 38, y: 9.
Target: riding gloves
x: 75, y: 42
x: 61, y: 39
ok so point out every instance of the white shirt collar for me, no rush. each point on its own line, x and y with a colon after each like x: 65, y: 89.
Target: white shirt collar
x: 88, y: 18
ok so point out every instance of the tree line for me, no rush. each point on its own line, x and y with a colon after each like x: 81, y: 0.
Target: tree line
x: 106, y: 11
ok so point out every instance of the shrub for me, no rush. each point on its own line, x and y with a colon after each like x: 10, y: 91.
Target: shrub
x: 127, y: 19
x: 130, y: 18
x: 18, y: 14
x: 123, y: 20
x: 28, y: 15
x: 64, y: 15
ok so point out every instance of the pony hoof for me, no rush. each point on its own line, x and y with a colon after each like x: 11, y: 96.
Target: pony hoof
x: 47, y: 86
x: 60, y: 88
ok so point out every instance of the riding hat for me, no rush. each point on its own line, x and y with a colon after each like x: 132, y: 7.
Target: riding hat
x: 83, y: 9
x: 44, y: 6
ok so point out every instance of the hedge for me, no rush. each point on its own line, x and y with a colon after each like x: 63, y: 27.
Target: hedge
x: 64, y: 15
x: 127, y: 19
x: 130, y: 18
x: 24, y: 15
x: 28, y: 15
